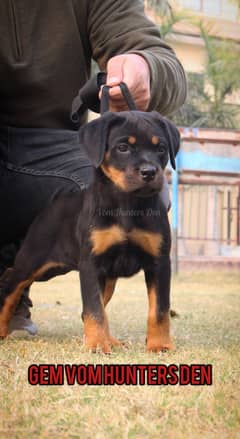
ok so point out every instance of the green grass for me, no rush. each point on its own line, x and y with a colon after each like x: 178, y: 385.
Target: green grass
x: 206, y: 332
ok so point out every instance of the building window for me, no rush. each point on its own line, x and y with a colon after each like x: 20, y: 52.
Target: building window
x: 195, y: 5
x: 214, y: 8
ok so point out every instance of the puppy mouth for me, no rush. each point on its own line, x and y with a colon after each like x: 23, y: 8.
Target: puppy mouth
x: 143, y: 187
x: 146, y: 191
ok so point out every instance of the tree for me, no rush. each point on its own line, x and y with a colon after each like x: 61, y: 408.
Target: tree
x: 167, y: 15
x: 162, y: 7
x: 208, y: 92
x: 222, y: 79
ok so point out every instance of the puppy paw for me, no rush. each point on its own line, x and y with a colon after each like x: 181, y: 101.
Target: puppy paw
x: 97, y: 345
x: 155, y: 345
x: 114, y: 341
x: 3, y: 331
x: 96, y: 336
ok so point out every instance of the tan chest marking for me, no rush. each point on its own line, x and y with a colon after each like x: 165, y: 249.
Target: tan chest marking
x: 103, y: 239
x: 150, y: 242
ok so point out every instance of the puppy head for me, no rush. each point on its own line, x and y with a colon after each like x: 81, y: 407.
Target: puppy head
x: 132, y: 148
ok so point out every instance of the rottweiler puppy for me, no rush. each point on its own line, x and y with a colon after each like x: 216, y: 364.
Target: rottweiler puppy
x: 112, y: 229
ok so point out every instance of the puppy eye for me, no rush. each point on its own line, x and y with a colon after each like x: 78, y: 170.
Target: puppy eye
x: 123, y: 148
x: 161, y: 149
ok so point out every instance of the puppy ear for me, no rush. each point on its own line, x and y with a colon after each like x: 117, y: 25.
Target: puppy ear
x: 173, y: 136
x: 174, y: 141
x: 94, y: 136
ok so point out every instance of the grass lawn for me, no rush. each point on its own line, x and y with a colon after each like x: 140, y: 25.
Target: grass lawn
x: 207, y: 331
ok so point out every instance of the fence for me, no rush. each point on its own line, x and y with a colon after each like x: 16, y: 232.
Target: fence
x: 206, y: 196
x: 208, y: 219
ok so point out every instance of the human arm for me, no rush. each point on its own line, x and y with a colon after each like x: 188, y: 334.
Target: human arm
x: 119, y: 28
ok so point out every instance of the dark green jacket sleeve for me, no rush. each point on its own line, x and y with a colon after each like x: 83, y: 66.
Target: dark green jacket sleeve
x: 120, y: 26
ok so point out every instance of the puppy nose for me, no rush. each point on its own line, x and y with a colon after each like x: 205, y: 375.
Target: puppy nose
x: 148, y: 172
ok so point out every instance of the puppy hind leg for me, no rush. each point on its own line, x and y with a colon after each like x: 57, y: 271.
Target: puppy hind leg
x: 12, y: 285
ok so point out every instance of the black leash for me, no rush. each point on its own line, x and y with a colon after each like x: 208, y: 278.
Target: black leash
x: 126, y: 94
x: 88, y: 97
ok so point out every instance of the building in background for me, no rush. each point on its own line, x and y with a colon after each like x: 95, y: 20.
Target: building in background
x: 220, y: 16
x: 209, y: 162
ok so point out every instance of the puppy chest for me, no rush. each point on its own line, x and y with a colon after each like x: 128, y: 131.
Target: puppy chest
x: 103, y: 239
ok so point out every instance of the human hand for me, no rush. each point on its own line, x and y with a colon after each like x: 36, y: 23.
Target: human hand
x: 134, y: 71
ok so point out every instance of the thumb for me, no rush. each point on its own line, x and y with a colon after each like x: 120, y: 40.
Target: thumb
x: 115, y: 70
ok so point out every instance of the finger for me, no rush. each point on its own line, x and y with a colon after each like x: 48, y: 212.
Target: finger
x: 114, y: 72
x: 114, y: 93
x: 118, y: 107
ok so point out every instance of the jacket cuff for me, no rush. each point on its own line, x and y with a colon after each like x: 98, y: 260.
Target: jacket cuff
x: 168, y: 81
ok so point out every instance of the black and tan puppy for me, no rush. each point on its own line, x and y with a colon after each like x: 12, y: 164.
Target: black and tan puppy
x: 112, y: 229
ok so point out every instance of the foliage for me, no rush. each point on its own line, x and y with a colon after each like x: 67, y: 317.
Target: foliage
x: 190, y: 113
x: 206, y: 105
x: 222, y: 74
x: 168, y: 22
x: 168, y: 16
x: 209, y: 92
x: 162, y: 7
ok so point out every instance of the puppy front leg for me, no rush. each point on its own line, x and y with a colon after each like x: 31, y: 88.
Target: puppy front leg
x: 107, y: 290
x: 94, y: 317
x: 158, y: 286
